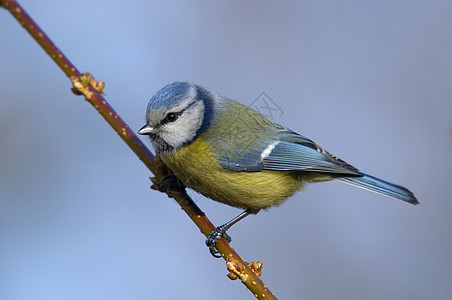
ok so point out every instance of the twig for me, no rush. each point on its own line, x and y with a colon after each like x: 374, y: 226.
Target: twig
x: 83, y: 84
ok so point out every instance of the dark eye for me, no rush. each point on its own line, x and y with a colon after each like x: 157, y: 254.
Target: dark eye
x: 171, y: 117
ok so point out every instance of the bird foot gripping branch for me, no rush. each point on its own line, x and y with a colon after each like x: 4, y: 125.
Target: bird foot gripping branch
x: 167, y: 184
x: 214, y: 236
x: 165, y: 181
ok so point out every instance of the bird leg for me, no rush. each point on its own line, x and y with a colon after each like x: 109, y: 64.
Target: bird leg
x: 219, y: 232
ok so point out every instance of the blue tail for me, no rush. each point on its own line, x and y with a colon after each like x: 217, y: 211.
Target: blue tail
x: 380, y: 186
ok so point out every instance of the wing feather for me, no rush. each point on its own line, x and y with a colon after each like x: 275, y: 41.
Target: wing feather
x: 295, y: 152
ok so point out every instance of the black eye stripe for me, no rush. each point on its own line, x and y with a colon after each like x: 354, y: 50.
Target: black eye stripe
x: 173, y: 116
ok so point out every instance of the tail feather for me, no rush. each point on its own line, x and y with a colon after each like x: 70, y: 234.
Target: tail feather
x: 381, y: 186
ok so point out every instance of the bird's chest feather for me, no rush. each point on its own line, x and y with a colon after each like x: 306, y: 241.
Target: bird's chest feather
x: 198, y: 167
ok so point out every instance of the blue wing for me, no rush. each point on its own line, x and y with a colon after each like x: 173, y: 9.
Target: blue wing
x: 289, y: 151
x: 282, y: 150
x: 295, y: 152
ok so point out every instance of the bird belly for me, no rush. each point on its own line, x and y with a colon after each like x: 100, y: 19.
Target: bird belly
x: 197, y: 167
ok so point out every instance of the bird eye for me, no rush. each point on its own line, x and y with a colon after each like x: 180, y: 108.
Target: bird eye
x: 171, y: 117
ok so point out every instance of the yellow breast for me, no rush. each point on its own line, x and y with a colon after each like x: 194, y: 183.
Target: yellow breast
x: 198, y: 168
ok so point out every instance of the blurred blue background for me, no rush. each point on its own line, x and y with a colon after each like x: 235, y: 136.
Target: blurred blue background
x: 370, y: 81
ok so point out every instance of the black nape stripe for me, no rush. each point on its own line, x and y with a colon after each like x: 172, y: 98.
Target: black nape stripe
x: 207, y: 99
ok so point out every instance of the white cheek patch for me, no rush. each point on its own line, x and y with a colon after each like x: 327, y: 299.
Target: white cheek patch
x: 184, y: 129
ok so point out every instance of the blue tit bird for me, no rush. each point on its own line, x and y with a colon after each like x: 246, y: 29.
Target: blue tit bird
x: 232, y: 154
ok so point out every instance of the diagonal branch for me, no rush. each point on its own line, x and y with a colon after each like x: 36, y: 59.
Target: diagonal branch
x: 93, y: 94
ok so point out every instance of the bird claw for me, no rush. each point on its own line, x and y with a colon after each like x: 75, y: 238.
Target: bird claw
x: 167, y: 183
x: 214, y: 236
